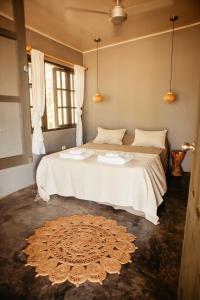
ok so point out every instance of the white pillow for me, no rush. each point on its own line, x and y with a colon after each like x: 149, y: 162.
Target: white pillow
x: 150, y: 138
x: 108, y: 136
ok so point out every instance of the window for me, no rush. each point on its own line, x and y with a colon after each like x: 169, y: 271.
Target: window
x: 60, y: 106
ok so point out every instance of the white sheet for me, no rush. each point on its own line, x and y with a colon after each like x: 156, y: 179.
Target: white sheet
x: 138, y: 185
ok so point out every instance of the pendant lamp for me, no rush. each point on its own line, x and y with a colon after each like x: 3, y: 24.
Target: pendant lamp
x: 171, y: 96
x: 97, y: 97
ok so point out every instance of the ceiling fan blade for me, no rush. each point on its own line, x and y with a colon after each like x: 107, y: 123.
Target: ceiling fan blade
x: 71, y: 8
x: 148, y: 6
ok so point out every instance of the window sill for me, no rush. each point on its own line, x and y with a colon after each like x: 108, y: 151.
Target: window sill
x: 59, y: 128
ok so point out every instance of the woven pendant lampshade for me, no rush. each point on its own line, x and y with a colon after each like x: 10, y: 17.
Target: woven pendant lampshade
x: 97, y: 97
x: 171, y: 96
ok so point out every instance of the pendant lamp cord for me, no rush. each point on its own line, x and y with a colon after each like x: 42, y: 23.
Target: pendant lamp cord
x: 97, y: 67
x: 172, y: 52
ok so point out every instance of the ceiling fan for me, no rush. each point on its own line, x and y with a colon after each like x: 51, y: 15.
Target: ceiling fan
x: 117, y: 15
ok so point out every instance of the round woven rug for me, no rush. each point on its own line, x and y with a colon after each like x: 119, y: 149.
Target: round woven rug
x: 79, y: 248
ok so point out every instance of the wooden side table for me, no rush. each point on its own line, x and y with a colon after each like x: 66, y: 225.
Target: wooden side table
x: 177, y: 158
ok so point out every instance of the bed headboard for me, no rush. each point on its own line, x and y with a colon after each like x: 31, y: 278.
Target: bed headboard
x: 128, y: 138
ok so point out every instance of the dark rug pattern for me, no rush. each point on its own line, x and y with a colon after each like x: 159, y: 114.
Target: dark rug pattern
x: 152, y: 275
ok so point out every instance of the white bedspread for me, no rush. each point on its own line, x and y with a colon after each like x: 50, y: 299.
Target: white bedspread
x: 137, y: 185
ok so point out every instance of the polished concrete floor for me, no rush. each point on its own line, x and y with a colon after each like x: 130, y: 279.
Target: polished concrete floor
x: 153, y: 274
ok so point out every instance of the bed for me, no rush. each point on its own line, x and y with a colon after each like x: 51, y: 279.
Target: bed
x: 137, y: 187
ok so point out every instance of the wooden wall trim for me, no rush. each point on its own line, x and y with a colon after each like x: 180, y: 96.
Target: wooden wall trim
x: 7, y: 33
x: 23, y: 98
x: 13, y: 161
x: 5, y: 98
x: 18, y: 10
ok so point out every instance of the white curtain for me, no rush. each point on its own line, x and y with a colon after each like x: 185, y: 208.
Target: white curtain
x: 79, y: 96
x: 38, y: 95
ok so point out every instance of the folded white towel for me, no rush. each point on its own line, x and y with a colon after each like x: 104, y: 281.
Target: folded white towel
x: 112, y: 154
x: 75, y: 156
x: 121, y: 159
x: 76, y: 153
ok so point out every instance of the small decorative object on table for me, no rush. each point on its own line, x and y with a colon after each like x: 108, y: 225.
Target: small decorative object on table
x: 177, y: 158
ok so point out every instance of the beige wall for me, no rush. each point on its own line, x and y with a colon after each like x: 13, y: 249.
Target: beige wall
x: 13, y: 179
x: 133, y: 79
x: 9, y: 67
x: 54, y: 140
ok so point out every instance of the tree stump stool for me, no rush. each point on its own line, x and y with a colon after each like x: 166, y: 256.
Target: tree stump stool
x: 177, y: 158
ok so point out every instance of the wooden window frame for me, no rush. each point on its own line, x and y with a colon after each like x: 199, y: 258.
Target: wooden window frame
x: 69, y: 108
